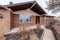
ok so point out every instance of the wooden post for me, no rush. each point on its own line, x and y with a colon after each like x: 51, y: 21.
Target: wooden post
x: 33, y: 5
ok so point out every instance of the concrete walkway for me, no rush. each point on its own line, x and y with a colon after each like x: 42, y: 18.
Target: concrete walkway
x: 47, y: 34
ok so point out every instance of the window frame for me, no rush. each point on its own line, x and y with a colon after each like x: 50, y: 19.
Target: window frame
x: 24, y: 22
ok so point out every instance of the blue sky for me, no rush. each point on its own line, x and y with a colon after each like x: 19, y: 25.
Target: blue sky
x: 40, y: 2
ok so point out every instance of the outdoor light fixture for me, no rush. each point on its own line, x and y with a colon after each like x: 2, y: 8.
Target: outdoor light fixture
x: 1, y: 16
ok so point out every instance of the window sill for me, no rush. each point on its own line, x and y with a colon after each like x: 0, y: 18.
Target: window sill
x: 26, y: 23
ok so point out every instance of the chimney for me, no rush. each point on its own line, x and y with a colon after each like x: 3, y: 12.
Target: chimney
x: 10, y: 3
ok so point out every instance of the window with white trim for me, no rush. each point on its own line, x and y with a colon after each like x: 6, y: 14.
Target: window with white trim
x: 25, y: 18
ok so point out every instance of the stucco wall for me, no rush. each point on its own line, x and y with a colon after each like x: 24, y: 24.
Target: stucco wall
x: 5, y: 21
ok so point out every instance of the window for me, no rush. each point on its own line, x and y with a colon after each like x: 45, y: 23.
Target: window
x: 25, y: 18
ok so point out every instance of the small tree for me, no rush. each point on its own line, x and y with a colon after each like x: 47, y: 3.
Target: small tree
x: 53, y: 5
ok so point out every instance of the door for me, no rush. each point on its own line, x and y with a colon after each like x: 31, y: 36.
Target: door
x: 37, y: 19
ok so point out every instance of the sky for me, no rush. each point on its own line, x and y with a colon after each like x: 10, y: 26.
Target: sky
x: 42, y: 3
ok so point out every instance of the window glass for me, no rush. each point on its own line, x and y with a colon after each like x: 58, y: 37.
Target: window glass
x: 25, y: 18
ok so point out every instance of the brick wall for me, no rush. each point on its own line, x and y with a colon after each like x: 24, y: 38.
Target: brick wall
x: 33, y: 19
x: 17, y: 23
x: 45, y: 20
x: 5, y: 21
x: 15, y: 20
x: 41, y: 20
x: 16, y: 14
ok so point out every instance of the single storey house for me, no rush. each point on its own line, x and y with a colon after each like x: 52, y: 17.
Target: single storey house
x: 20, y: 15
